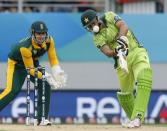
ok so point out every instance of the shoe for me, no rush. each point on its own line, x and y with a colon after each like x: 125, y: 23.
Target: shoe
x: 125, y: 123
x: 45, y: 123
x: 136, y: 123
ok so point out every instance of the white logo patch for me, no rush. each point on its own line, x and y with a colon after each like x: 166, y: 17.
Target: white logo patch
x: 35, y: 52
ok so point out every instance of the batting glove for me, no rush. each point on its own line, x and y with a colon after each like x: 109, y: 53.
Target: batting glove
x: 122, y: 45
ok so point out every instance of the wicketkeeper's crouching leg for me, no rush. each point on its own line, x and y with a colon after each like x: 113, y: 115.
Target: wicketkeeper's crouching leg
x: 47, y: 100
x: 50, y: 83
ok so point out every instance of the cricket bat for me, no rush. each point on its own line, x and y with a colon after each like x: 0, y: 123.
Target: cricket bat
x: 122, y: 62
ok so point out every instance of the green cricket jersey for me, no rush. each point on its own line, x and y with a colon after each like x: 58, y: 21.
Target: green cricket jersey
x: 15, y: 53
x: 138, y: 66
x: 109, y: 34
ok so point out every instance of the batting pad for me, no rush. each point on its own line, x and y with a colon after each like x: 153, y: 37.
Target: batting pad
x: 126, y: 100
x: 143, y: 90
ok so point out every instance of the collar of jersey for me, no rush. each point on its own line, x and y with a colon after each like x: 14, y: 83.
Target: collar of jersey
x: 35, y: 45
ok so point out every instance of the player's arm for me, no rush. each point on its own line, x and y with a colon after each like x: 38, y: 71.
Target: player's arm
x: 118, y: 22
x: 53, y: 59
x: 28, y: 61
x: 57, y: 71
x: 100, y: 43
x: 107, y: 51
x: 121, y: 39
x: 122, y: 27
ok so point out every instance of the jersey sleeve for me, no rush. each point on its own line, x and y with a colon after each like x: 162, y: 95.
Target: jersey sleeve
x: 99, y: 41
x: 28, y: 61
x: 112, y: 17
x: 53, y: 59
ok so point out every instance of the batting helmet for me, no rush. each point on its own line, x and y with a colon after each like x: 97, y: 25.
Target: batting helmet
x: 88, y: 16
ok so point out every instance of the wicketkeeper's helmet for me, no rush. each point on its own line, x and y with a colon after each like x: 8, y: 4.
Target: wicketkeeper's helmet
x: 39, y: 27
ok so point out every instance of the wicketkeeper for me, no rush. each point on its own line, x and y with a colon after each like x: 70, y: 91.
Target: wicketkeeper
x: 113, y: 38
x: 26, y: 54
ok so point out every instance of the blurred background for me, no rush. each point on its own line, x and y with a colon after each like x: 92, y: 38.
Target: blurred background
x: 90, y: 95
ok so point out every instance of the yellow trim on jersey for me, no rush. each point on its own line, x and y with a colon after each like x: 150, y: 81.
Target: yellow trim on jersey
x: 52, y: 53
x: 36, y: 46
x: 10, y: 72
x: 28, y: 61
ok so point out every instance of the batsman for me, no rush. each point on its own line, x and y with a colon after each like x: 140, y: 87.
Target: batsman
x: 25, y: 55
x: 113, y: 38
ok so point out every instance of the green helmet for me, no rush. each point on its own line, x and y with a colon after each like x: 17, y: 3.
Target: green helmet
x: 39, y: 27
x: 88, y: 16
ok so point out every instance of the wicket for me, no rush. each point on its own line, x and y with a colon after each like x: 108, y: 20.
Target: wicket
x: 35, y: 95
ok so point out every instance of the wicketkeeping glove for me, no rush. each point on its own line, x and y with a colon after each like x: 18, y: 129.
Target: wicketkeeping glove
x: 51, y: 81
x: 59, y: 75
